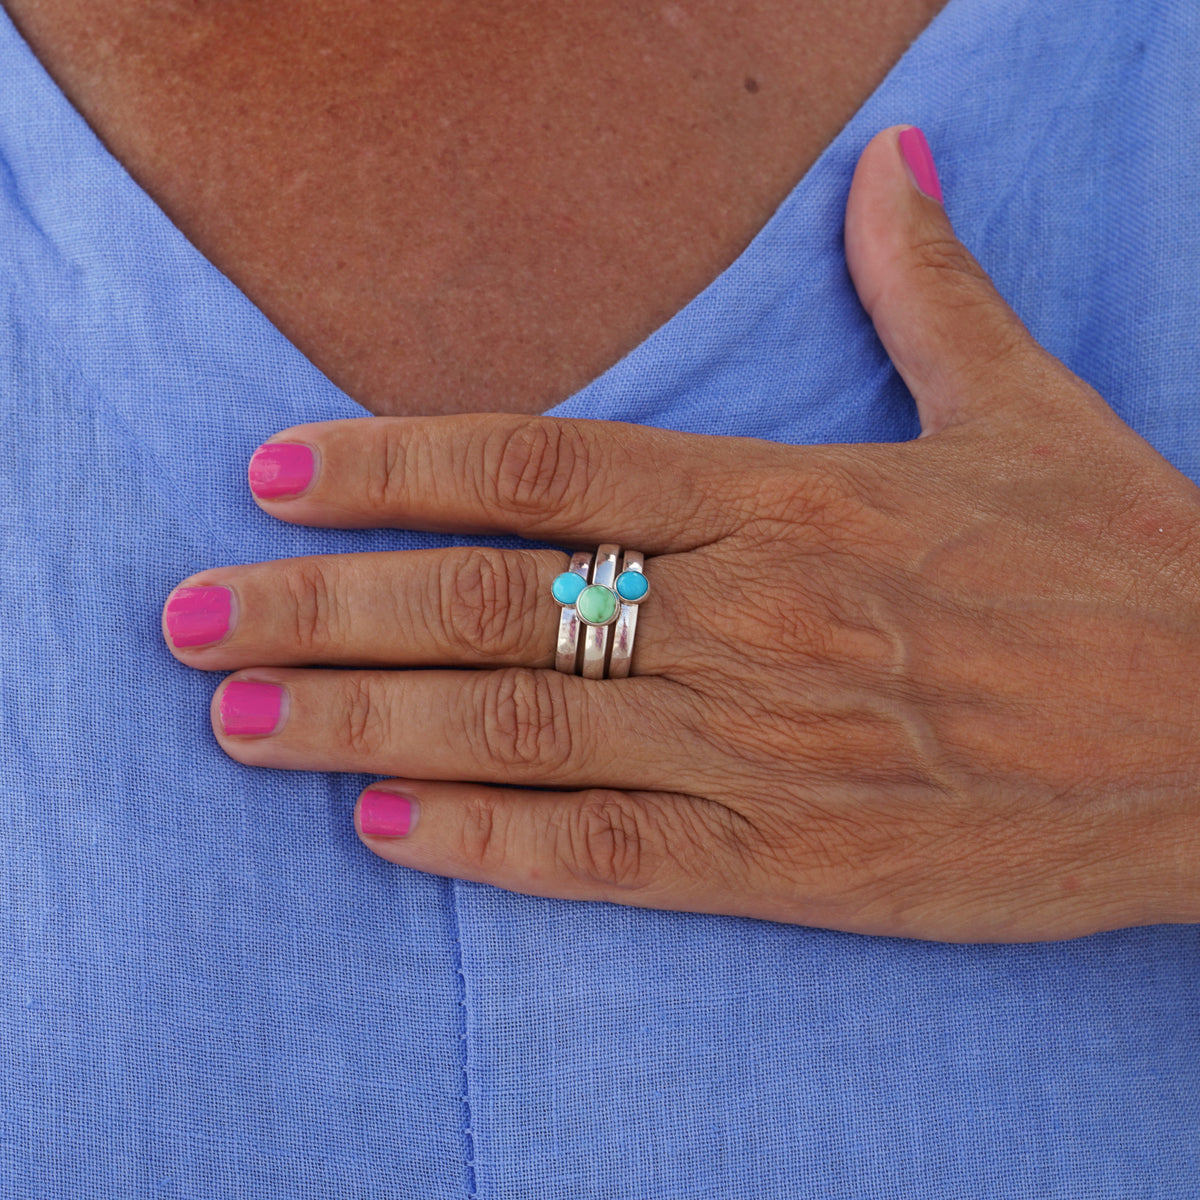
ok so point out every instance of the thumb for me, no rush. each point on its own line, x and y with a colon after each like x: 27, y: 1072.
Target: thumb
x: 954, y: 340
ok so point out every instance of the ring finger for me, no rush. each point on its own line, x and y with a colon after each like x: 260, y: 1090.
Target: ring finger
x: 464, y: 606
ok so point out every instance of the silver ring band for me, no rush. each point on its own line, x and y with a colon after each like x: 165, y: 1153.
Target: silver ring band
x: 626, y: 625
x: 595, y: 597
x: 569, y: 623
x: 595, y: 640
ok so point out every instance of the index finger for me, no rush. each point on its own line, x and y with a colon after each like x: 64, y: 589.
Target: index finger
x: 560, y: 479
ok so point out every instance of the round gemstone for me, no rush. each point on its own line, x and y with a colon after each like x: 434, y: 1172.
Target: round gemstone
x: 632, y: 586
x: 567, y: 586
x: 596, y: 605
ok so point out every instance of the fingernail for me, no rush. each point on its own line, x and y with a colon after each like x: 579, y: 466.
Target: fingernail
x: 386, y: 814
x: 919, y: 158
x: 281, y: 469
x: 198, y: 615
x: 251, y: 709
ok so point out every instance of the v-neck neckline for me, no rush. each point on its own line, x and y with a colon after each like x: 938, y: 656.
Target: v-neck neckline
x: 577, y: 403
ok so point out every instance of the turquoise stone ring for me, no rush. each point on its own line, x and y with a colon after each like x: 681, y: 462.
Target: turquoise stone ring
x: 567, y: 586
x: 596, y: 599
x: 632, y: 587
x: 597, y: 605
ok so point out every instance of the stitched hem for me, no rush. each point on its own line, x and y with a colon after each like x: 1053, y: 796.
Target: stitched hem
x: 464, y: 1095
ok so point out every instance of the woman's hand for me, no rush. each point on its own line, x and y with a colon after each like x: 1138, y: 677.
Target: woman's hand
x: 942, y: 689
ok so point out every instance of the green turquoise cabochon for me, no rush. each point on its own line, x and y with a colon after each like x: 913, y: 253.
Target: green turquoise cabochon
x: 597, y: 605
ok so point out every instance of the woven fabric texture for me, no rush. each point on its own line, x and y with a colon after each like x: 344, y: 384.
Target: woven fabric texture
x: 212, y: 991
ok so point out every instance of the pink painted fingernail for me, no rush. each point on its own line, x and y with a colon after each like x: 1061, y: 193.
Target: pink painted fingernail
x: 386, y: 814
x: 198, y: 615
x: 251, y: 709
x: 281, y: 469
x: 919, y: 158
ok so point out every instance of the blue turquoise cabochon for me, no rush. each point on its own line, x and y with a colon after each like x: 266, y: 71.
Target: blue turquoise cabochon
x: 567, y: 586
x: 632, y: 586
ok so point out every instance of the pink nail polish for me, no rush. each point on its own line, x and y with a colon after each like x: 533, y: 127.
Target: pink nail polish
x: 919, y: 158
x: 386, y: 814
x: 198, y: 615
x: 281, y: 469
x: 251, y: 709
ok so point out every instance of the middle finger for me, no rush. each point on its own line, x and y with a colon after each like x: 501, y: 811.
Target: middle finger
x: 540, y: 728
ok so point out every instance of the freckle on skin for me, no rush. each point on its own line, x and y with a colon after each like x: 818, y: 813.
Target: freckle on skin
x: 751, y: 85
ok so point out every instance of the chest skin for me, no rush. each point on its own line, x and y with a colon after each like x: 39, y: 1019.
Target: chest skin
x: 468, y: 205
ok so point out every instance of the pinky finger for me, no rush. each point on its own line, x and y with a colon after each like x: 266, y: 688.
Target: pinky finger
x: 646, y: 849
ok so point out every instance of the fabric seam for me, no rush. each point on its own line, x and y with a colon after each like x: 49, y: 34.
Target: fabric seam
x: 464, y: 1096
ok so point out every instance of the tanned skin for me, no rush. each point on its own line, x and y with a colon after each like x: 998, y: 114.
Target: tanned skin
x: 473, y: 205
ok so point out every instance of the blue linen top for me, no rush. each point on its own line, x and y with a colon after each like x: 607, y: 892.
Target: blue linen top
x: 212, y: 990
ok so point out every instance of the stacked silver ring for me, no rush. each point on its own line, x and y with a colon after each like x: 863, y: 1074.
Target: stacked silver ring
x: 601, y: 602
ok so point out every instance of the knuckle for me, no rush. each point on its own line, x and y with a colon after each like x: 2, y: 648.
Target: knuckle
x: 481, y: 832
x: 535, y: 465
x: 386, y: 476
x: 365, y: 721
x: 487, y: 603
x: 606, y: 842
x: 812, y: 849
x: 947, y: 258
x: 822, y: 501
x: 527, y: 724
x: 965, y: 288
x: 316, y: 615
